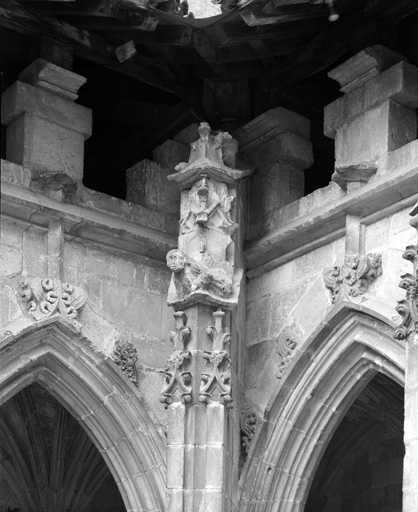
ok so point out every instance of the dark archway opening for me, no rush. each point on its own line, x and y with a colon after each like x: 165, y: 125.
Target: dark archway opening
x: 361, y: 470
x: 48, y: 462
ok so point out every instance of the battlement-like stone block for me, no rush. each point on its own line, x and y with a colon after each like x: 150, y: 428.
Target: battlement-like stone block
x: 399, y: 83
x: 267, y: 126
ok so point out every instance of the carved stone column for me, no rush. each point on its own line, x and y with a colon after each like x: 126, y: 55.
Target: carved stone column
x: 204, y: 292
x: 408, y: 332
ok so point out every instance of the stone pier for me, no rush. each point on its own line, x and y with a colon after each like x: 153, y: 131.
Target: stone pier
x: 204, y: 292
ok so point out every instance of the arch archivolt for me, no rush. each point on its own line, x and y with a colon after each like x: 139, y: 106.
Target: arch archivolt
x: 104, y: 401
x: 326, y: 375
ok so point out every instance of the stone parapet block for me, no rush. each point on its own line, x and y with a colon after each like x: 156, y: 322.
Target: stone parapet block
x: 147, y: 185
x: 267, y: 126
x: 170, y: 154
x: 364, y: 140
x: 22, y: 98
x: 53, y: 78
x: 399, y: 83
x: 285, y: 147
x: 363, y: 66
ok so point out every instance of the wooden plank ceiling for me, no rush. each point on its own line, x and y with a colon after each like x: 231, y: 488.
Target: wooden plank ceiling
x: 151, y: 59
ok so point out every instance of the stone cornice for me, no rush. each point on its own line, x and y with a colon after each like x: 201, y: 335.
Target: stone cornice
x: 392, y: 191
x: 23, y: 203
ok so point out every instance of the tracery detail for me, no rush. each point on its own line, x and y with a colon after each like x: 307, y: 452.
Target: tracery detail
x: 178, y: 378
x: 216, y: 384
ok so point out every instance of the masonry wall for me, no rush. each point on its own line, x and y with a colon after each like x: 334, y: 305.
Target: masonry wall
x: 293, y: 297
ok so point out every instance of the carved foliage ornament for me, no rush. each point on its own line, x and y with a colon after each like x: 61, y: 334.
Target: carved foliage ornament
x: 354, y: 277
x: 125, y: 356
x: 286, y: 344
x: 216, y: 383
x: 178, y: 378
x: 44, y: 297
x: 248, y: 424
x: 408, y: 307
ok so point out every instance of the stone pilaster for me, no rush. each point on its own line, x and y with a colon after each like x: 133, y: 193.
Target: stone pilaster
x: 277, y: 142
x: 46, y: 130
x: 408, y: 332
x: 204, y: 292
x: 376, y: 114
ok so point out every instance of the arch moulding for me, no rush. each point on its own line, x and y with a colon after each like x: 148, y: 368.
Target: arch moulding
x: 327, y: 374
x: 104, y: 401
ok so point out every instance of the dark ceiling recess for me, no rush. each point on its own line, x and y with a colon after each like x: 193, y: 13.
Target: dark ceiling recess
x: 225, y: 69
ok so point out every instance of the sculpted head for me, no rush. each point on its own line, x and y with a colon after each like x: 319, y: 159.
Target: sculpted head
x: 176, y: 260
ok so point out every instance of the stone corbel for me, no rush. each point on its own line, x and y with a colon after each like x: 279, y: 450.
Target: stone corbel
x: 44, y: 297
x: 216, y: 384
x: 352, y: 174
x: 354, y: 277
x: 178, y: 378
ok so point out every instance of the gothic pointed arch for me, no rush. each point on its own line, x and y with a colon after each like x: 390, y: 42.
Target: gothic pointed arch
x: 103, y: 400
x: 351, y: 346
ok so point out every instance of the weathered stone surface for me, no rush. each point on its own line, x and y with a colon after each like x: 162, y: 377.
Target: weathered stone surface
x: 15, y: 174
x: 171, y: 153
x: 379, y: 130
x: 147, y: 186
x: 139, y: 214
x: 398, y: 83
x: 266, y: 126
x: 45, y: 132
x: 53, y: 78
x: 10, y: 309
x: 187, y: 135
x: 363, y: 66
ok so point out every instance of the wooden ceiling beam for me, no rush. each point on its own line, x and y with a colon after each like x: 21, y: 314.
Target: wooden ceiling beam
x: 94, y: 48
x: 157, y: 130
x: 235, y: 34
x: 332, y: 44
x: 123, y: 111
x: 78, y: 7
x: 268, y: 14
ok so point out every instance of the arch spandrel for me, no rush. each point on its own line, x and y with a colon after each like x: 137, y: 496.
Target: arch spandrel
x: 325, y: 376
x: 105, y: 402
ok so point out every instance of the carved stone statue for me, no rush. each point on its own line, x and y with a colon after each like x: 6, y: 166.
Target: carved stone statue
x: 210, y: 276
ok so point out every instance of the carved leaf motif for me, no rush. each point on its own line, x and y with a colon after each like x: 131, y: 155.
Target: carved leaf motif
x: 248, y: 424
x: 354, y: 277
x: 286, y: 344
x: 125, y: 356
x: 43, y: 297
